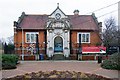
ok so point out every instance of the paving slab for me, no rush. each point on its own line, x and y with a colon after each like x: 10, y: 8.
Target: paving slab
x: 79, y: 66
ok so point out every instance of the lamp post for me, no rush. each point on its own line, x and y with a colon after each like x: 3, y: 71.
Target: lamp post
x: 80, y: 48
x: 37, y: 46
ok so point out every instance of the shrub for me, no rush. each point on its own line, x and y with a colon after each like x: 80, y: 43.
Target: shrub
x: 8, y: 49
x: 0, y: 61
x: 9, y: 61
x: 112, y: 63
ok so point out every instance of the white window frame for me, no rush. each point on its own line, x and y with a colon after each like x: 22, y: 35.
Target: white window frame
x: 81, y: 37
x: 30, y: 36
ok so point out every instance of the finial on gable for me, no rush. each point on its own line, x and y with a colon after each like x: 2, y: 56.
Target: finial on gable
x: 57, y: 4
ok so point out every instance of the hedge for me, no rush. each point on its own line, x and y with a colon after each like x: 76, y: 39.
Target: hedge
x: 9, y: 61
x: 112, y: 63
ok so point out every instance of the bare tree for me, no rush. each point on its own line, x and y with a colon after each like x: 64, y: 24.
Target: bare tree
x: 0, y: 44
x: 110, y: 33
x: 2, y: 40
x: 10, y: 40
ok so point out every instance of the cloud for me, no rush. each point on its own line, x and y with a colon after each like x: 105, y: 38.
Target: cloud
x: 12, y: 9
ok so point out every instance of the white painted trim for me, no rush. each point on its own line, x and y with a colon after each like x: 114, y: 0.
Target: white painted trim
x: 30, y: 33
x: 81, y: 37
x: 22, y: 44
x: 54, y: 39
x: 94, y: 52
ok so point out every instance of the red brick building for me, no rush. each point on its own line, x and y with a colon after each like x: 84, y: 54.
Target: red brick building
x: 58, y: 33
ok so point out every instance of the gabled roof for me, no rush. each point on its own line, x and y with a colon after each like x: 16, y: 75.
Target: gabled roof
x: 34, y: 22
x: 83, y: 22
x: 78, y: 22
x: 58, y: 9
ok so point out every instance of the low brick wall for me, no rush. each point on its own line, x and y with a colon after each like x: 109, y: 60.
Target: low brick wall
x: 71, y: 57
x: 94, y: 57
x: 29, y: 57
x: 32, y: 57
x: 88, y: 57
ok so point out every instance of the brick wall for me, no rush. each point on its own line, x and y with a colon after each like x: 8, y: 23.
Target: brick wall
x: 18, y: 41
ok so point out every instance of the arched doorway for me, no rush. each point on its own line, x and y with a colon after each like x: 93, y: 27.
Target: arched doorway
x: 58, y: 44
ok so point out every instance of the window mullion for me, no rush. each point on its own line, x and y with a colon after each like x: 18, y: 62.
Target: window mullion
x: 81, y: 38
x: 30, y: 37
x: 34, y: 38
x: 85, y: 37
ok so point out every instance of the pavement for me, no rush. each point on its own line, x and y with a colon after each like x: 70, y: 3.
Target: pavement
x: 79, y: 66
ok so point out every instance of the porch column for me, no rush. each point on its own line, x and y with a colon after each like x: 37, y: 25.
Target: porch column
x: 22, y: 44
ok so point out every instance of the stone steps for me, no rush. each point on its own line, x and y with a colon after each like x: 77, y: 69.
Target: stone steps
x: 58, y: 56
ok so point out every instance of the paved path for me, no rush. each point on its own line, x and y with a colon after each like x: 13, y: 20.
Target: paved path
x: 82, y: 66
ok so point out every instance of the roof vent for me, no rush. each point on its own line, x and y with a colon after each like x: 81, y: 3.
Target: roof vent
x: 76, y: 12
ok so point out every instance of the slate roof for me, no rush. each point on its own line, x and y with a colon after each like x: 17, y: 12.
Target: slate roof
x: 34, y: 22
x: 82, y: 22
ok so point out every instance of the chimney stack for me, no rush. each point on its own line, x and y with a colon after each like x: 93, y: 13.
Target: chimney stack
x: 76, y: 12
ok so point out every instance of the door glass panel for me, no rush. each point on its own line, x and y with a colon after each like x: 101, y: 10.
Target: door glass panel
x: 28, y: 37
x: 58, y: 44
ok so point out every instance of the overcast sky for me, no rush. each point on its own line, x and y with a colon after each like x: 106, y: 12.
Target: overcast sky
x: 10, y: 10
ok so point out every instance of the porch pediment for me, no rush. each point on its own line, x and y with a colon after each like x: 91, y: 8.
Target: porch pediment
x: 57, y: 14
x: 58, y: 20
